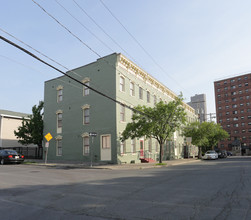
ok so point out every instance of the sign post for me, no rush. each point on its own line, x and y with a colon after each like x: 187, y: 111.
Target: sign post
x: 92, y: 134
x: 48, y: 137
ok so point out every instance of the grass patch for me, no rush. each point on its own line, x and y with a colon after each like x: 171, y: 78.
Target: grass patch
x: 161, y: 164
x: 29, y: 162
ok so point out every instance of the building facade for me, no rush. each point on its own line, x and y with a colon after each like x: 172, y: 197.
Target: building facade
x: 72, y: 111
x: 199, y: 103
x: 233, y: 110
x: 9, y: 122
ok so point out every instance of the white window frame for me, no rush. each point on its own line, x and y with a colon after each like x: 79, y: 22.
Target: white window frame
x: 86, y: 116
x: 140, y: 93
x: 122, y: 84
x: 132, y: 88
x: 59, y: 114
x: 59, y: 146
x: 122, y: 113
x: 86, y: 145
x: 105, y: 141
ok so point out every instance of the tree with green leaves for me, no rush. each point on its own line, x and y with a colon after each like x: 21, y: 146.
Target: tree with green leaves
x: 31, y: 131
x: 159, y: 122
x: 205, y: 135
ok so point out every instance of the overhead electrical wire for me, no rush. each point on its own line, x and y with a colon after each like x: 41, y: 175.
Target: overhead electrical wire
x: 139, y: 44
x: 65, y: 74
x: 102, y: 29
x: 84, y: 26
x: 86, y: 45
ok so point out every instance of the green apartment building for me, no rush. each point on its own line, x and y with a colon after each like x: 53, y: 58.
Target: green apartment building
x: 73, y: 110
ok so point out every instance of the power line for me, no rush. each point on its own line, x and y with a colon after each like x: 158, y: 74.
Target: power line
x: 140, y: 45
x: 65, y: 74
x: 74, y: 35
x: 53, y: 60
x: 84, y: 26
x: 102, y: 29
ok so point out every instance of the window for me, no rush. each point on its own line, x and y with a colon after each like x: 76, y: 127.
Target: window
x: 240, y: 92
x: 122, y: 147
x: 148, y: 96
x: 233, y: 93
x: 154, y: 99
x: 232, y: 80
x: 156, y: 146
x: 59, y: 121
x: 235, y: 112
x: 234, y: 106
x: 86, y: 114
x: 150, y: 145
x: 236, y: 125
x: 86, y: 89
x: 233, y: 87
x: 239, y: 85
x: 242, y: 124
x: 140, y: 93
x: 246, y: 84
x: 122, y: 113
x: 234, y: 99
x: 236, y: 119
x: 59, y: 151
x: 219, y: 107
x: 60, y: 95
x: 122, y: 84
x: 218, y: 90
x: 132, y: 89
x: 86, y: 145
x: 133, y: 145
x: 106, y: 141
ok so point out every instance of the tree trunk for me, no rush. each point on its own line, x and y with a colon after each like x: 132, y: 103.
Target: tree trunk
x: 199, y: 153
x: 160, y: 152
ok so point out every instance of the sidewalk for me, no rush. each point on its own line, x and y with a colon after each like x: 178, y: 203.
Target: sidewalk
x: 68, y: 165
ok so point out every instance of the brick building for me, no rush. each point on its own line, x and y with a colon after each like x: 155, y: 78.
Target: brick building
x: 233, y: 111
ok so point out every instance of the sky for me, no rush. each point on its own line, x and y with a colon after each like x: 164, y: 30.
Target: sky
x: 186, y: 45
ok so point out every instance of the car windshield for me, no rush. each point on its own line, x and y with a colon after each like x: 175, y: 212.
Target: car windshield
x: 210, y: 152
x: 11, y: 152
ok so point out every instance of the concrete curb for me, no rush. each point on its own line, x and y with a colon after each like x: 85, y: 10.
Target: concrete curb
x: 115, y: 166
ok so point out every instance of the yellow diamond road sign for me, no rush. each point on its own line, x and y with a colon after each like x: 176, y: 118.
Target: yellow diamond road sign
x: 48, y: 137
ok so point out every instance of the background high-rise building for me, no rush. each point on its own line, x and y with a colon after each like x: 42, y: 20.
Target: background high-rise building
x: 198, y: 102
x: 233, y: 110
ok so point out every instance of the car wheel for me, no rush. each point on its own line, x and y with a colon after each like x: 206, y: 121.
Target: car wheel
x: 2, y: 162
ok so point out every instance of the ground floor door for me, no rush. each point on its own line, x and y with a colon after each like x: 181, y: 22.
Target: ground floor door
x: 141, y: 148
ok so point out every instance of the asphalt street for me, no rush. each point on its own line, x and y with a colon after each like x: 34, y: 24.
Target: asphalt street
x: 218, y: 189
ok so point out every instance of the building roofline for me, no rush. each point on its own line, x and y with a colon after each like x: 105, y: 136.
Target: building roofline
x: 232, y: 76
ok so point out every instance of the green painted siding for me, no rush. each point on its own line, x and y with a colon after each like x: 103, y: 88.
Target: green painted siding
x: 105, y: 115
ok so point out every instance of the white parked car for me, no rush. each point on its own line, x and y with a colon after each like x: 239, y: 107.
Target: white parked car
x: 210, y: 155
